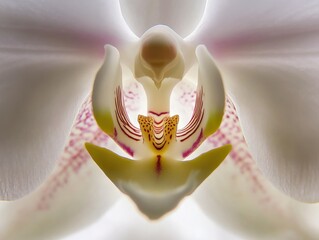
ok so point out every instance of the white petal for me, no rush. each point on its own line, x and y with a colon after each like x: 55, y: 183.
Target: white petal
x: 99, y: 22
x: 240, y: 198
x: 268, y: 58
x: 41, y: 91
x: 45, y: 76
x: 180, y: 15
x: 277, y: 99
x: 40, y: 95
x: 306, y: 218
x: 227, y: 23
x: 123, y: 222
x: 75, y: 195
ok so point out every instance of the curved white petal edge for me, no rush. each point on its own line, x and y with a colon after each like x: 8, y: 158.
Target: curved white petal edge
x: 278, y: 117
x: 268, y: 59
x: 49, y: 55
x: 240, y: 198
x: 73, y: 22
x: 182, y: 16
x: 35, y: 126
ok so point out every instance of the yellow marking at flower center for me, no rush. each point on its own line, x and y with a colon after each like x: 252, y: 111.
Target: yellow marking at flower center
x: 158, y: 134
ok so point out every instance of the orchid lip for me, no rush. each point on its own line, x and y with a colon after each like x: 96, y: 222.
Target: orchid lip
x: 158, y: 144
x: 157, y: 184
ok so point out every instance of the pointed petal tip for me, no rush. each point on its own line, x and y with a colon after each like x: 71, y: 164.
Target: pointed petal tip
x: 207, y: 162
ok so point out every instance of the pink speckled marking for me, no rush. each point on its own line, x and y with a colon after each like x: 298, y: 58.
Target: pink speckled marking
x: 183, y: 101
x: 74, y: 156
x: 132, y: 97
x: 242, y: 161
x: 230, y: 133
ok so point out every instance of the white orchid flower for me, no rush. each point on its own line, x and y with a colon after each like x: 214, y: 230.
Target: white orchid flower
x: 265, y: 54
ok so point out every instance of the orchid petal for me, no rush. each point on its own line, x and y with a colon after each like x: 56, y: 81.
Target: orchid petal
x: 180, y: 15
x: 240, y: 198
x: 268, y: 63
x: 75, y: 195
x: 80, y: 21
x: 278, y: 119
x: 34, y: 126
x: 227, y: 25
x: 48, y: 60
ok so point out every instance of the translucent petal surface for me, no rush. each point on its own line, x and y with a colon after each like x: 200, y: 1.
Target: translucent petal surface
x: 268, y: 57
x: 226, y: 23
x: 278, y: 116
x: 40, y: 95
x: 75, y: 195
x: 123, y: 222
x: 99, y: 22
x: 49, y: 55
x: 240, y: 198
x: 180, y: 15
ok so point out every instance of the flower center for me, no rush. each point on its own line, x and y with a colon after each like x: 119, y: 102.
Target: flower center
x: 158, y: 134
x: 157, y: 179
